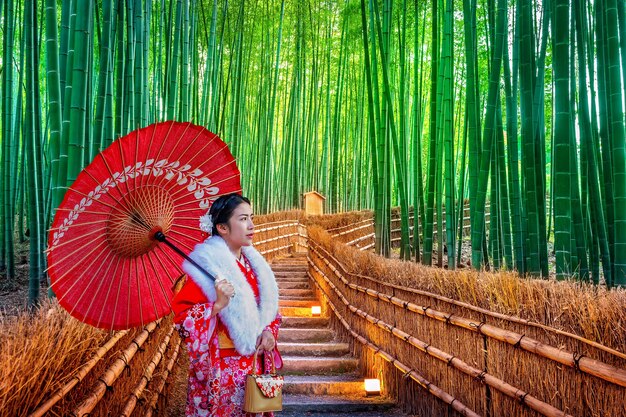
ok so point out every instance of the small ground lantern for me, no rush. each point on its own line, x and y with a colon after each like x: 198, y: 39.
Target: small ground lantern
x: 372, y: 387
x: 316, y: 311
x: 313, y: 203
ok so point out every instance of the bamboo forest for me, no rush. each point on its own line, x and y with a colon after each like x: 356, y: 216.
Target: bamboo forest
x: 513, y: 109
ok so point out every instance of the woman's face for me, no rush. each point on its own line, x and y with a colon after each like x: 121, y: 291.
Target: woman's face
x: 239, y: 230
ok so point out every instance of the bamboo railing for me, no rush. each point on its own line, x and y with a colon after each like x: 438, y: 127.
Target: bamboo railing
x: 94, y: 386
x: 361, y: 234
x: 492, y: 363
x: 137, y: 393
x: 79, y: 376
x: 280, y: 238
x: 109, y: 377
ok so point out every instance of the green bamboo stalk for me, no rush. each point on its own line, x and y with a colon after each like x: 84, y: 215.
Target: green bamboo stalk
x: 588, y: 143
x: 447, y: 104
x: 172, y: 73
x: 399, y: 165
x: 510, y: 87
x: 418, y: 119
x: 8, y: 144
x: 129, y: 71
x: 32, y: 140
x: 503, y: 191
x: 432, y: 132
x: 137, y: 63
x: 55, y: 113
x: 77, y: 129
x: 617, y: 140
x: 478, y: 224
x: 561, y: 141
x: 472, y: 101
x: 371, y: 128
x: 527, y: 113
x: 185, y: 70
x: 104, y: 78
x: 405, y: 244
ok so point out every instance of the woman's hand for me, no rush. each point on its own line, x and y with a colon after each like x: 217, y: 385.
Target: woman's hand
x: 224, y: 291
x: 266, y: 341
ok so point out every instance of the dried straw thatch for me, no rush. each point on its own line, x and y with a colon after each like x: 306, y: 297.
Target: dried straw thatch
x: 54, y: 364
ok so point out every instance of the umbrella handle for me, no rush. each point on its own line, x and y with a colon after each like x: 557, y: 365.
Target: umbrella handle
x: 160, y: 236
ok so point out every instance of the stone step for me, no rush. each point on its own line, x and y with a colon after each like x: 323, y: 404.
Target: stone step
x: 298, y: 303
x: 388, y: 412
x: 294, y: 311
x: 291, y: 262
x: 290, y: 268
x: 286, y: 335
x: 342, y: 405
x: 346, y: 384
x: 294, y: 285
x: 296, y: 294
x: 290, y: 275
x: 281, y: 275
x: 302, y: 280
x: 306, y: 322
x: 313, y: 349
x: 293, y: 297
x: 303, y: 365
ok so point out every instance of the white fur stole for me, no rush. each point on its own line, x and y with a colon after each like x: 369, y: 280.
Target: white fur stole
x: 244, y: 320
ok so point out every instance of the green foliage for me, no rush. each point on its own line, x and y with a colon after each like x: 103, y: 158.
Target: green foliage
x: 372, y: 103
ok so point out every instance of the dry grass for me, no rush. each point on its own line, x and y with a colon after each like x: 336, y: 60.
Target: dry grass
x: 260, y: 219
x: 42, y: 351
x: 326, y: 221
x: 333, y: 221
x: 39, y: 353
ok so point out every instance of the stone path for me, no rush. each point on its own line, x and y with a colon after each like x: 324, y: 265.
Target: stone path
x: 321, y: 377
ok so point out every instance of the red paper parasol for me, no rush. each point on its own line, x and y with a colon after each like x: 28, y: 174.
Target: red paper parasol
x: 107, y: 265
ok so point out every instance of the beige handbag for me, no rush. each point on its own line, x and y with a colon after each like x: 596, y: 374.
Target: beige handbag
x: 264, y: 392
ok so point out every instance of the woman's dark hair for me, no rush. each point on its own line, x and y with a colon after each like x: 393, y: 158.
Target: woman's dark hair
x: 222, y: 209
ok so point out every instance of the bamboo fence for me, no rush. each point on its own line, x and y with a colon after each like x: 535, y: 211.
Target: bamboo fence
x: 360, y: 233
x: 491, y: 363
x: 280, y: 238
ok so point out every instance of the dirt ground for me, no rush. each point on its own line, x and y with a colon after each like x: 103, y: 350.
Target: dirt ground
x: 14, y: 293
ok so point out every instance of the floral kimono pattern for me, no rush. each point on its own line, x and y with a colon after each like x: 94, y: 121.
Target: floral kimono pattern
x: 216, y: 376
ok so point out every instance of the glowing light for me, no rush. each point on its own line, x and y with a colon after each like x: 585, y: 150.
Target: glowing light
x: 316, y: 310
x: 372, y: 387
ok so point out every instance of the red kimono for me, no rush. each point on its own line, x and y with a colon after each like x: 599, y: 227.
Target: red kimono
x: 216, y: 374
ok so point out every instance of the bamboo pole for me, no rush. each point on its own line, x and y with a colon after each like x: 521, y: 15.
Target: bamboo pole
x: 157, y: 393
x: 359, y: 239
x: 147, y: 376
x: 468, y: 306
x: 280, y: 224
x: 481, y: 376
x: 113, y: 372
x: 334, y: 229
x: 287, y: 236
x: 82, y: 372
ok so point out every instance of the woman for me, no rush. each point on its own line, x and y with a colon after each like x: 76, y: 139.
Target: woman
x: 224, y: 322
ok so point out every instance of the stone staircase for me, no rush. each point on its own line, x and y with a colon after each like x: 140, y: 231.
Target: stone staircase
x: 321, y: 377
